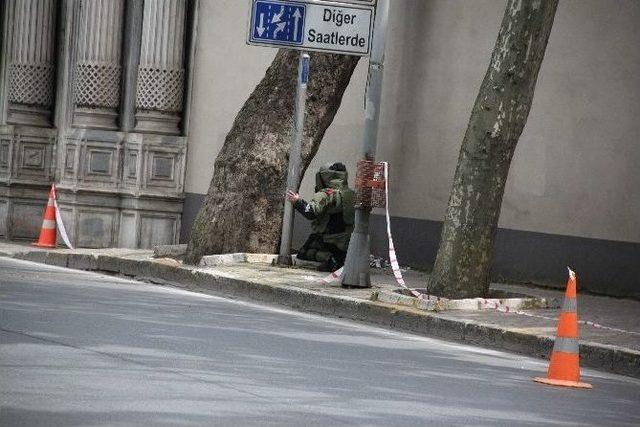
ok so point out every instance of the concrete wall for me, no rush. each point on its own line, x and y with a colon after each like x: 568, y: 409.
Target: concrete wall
x: 575, y: 169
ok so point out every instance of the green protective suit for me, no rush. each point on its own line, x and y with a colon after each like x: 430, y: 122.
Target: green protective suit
x: 331, y: 211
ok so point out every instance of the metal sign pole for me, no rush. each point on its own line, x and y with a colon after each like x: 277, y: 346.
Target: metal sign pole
x: 356, y: 269
x: 293, y: 173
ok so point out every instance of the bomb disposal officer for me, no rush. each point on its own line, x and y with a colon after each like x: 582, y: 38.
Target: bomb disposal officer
x: 332, y: 215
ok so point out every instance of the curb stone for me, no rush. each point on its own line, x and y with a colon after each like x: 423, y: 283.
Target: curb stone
x: 614, y: 359
x: 240, y: 257
x: 463, y: 304
x: 161, y: 251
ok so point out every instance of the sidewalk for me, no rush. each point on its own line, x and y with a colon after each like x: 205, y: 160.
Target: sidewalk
x: 302, y: 289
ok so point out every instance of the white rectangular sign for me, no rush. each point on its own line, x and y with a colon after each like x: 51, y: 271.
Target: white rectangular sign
x: 318, y: 25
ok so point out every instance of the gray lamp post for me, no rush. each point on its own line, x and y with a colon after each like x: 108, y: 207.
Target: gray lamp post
x: 356, y: 268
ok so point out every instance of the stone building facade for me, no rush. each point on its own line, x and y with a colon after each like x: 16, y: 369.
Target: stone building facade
x: 94, y: 96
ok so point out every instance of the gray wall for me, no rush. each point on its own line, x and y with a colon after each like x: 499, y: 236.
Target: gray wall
x: 575, y: 170
x: 604, y: 266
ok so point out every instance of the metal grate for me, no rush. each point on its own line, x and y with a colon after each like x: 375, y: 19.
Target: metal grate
x: 370, y: 184
x: 160, y: 89
x: 97, y: 85
x: 31, y: 84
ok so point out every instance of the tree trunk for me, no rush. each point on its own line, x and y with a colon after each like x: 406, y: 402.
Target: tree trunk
x: 465, y: 255
x: 242, y: 211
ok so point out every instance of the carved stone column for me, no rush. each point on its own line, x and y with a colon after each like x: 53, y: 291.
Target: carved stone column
x: 30, y: 33
x: 27, y: 98
x: 98, y: 63
x: 117, y: 146
x: 160, y: 91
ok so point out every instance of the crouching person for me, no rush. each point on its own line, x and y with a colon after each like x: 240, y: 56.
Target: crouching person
x: 332, y: 215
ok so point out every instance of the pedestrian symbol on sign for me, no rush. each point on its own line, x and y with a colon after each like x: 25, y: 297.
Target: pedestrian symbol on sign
x: 278, y: 21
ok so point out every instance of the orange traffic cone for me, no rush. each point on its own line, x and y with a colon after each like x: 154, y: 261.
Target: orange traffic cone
x: 564, y: 367
x: 48, y: 231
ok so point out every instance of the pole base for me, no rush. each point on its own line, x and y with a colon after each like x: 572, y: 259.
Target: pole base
x: 562, y: 383
x: 356, y: 267
x: 284, y: 261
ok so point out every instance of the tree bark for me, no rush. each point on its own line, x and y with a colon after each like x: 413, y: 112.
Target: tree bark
x: 500, y: 112
x: 242, y: 211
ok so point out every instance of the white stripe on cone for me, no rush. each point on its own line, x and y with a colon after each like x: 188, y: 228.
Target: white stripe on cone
x: 48, y: 224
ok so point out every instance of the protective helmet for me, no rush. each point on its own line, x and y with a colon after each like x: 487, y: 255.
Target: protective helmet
x: 331, y: 175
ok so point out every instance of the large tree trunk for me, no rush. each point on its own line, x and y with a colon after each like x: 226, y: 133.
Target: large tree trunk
x: 243, y: 208
x: 465, y: 255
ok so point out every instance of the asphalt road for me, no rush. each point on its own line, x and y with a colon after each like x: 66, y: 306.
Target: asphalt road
x: 78, y: 348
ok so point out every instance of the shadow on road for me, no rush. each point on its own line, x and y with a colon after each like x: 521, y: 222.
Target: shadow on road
x: 78, y: 348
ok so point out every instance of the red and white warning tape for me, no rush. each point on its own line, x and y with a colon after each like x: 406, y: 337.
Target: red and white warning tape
x: 59, y: 223
x: 608, y: 328
x: 492, y: 305
x: 395, y: 267
x: 333, y: 277
x: 502, y: 308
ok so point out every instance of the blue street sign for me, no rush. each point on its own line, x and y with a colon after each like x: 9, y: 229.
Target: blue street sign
x: 313, y: 25
x: 278, y: 22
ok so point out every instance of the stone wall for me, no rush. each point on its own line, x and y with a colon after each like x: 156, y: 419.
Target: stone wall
x: 94, y: 97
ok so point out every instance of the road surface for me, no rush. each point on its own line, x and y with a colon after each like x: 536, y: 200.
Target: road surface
x: 79, y: 348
